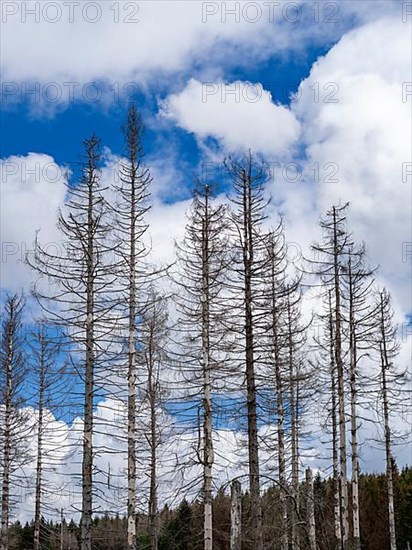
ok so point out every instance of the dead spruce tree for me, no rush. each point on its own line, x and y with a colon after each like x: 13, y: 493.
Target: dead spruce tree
x: 131, y: 208
x: 153, y: 357
x: 50, y: 387
x: 284, y: 337
x: 326, y: 360
x: 359, y: 324
x: 77, y: 298
x: 331, y: 255
x: 14, y: 428
x: 202, y: 262
x: 276, y: 291
x: 249, y: 243
x: 387, y: 347
x: 299, y: 382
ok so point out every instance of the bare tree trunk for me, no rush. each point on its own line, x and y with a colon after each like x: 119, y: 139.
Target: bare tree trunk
x: 208, y: 442
x: 310, y: 505
x: 153, y: 513
x: 131, y: 385
x: 335, y: 452
x: 341, y: 391
x: 335, y: 447
x: 236, y: 516
x: 355, y: 476
x: 256, y: 511
x: 87, y: 466
x: 208, y: 456
x: 37, y: 510
x: 61, y: 530
x: 294, y: 411
x: 7, y: 445
x: 253, y: 447
x: 83, y: 289
x: 203, y: 256
x: 251, y: 246
x: 281, y: 434
x: 354, y: 429
x: 208, y: 463
x: 153, y: 342
x: 133, y: 191
x: 296, y: 462
x: 295, y: 471
x: 389, y: 468
x: 13, y: 427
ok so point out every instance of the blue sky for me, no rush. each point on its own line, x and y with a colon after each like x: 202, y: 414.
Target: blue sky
x: 60, y: 133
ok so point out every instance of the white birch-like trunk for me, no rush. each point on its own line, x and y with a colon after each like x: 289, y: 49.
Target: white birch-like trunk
x: 341, y: 394
x: 335, y: 444
x: 208, y: 457
x: 152, y: 385
x: 236, y: 516
x: 5, y: 496
x: 132, y: 356
x: 37, y: 509
x: 295, y: 474
x: 388, y: 451
x: 310, y: 507
x: 354, y: 428
x: 87, y: 465
x: 294, y: 411
x: 281, y: 454
x: 253, y: 447
x: 389, y: 469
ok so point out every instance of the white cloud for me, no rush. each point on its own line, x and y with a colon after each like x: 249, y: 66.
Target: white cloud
x: 366, y: 135
x: 240, y: 115
x: 33, y: 187
x: 73, y: 43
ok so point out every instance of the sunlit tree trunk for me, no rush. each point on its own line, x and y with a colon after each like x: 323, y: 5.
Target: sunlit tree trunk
x: 385, y: 345
x: 341, y: 388
x: 236, y: 516
x: 37, y: 510
x: 310, y: 507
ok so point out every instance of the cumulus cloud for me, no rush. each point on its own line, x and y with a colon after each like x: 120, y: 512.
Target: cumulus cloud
x: 363, y: 140
x: 74, y: 44
x: 33, y: 187
x: 240, y: 115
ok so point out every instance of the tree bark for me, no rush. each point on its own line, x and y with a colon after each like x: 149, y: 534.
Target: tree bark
x: 310, y: 505
x: 208, y: 456
x: 152, y: 383
x: 388, y: 453
x: 87, y: 465
x: 294, y: 412
x: 236, y: 516
x: 335, y: 451
x: 354, y: 429
x: 37, y: 510
x: 341, y: 392
x: 280, y: 421
x: 253, y: 447
x: 5, y: 497
x: 131, y: 383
